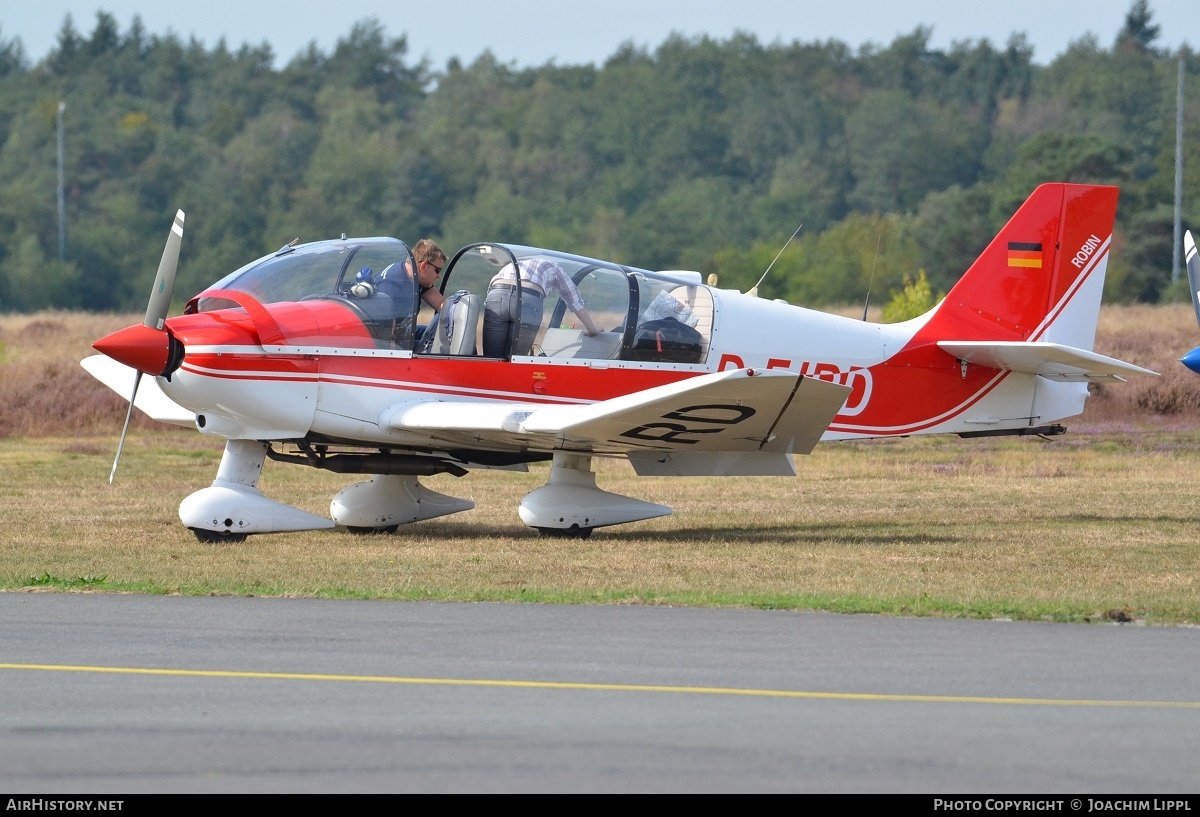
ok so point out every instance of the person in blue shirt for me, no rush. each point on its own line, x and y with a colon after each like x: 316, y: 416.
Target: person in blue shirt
x: 408, y: 291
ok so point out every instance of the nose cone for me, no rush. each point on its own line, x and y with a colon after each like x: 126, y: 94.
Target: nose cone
x: 140, y: 347
x: 1192, y: 360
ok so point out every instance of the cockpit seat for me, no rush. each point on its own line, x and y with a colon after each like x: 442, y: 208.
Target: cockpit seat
x: 456, y: 325
x: 379, y: 308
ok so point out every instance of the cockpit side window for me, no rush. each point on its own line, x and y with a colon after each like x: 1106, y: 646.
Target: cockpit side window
x: 674, y: 325
x: 606, y: 294
x: 465, y: 279
x: 376, y: 285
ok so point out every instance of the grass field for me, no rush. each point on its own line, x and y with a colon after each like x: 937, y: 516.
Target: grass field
x: 1099, y: 524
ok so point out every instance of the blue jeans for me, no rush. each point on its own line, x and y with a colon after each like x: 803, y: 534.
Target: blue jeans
x: 502, y: 313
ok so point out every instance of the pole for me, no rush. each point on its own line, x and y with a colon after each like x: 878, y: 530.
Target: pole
x: 1178, y: 174
x: 62, y: 226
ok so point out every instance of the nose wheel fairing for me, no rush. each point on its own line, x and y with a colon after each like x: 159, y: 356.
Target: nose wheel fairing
x: 233, y: 507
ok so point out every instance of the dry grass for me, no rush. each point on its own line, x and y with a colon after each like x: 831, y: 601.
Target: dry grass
x: 43, y: 389
x: 1099, y: 520
x: 1155, y: 337
x: 1068, y: 530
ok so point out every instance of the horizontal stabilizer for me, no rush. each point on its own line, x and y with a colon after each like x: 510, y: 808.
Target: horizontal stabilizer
x: 742, y: 410
x: 150, y: 400
x: 1050, y: 360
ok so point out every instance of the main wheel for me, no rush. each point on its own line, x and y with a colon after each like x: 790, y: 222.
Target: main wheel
x: 573, y: 532
x: 216, y: 537
x: 360, y: 531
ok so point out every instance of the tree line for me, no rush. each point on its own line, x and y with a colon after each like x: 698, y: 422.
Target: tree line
x: 899, y: 163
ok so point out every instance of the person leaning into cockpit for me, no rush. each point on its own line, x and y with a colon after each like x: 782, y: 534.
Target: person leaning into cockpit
x: 408, y: 291
x: 504, y: 312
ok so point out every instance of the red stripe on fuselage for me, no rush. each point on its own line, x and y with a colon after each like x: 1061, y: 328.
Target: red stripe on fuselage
x: 462, y: 377
x: 216, y: 345
x: 936, y: 387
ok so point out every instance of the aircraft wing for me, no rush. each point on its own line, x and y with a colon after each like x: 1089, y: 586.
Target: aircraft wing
x: 1050, y: 360
x: 150, y: 398
x: 743, y: 411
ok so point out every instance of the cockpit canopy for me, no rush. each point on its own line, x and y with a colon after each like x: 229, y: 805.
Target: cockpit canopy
x: 642, y: 315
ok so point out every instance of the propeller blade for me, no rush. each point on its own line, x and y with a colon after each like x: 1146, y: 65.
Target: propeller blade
x: 137, y: 378
x: 164, y: 280
x: 130, y: 345
x: 1193, y: 270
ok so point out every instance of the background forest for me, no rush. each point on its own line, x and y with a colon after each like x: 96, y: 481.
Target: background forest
x: 897, y: 162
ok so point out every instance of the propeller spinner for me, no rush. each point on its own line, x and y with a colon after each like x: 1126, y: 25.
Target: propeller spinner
x: 148, y: 347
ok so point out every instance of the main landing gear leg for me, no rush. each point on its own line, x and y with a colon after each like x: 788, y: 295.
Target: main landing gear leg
x: 232, y: 507
x: 571, y: 505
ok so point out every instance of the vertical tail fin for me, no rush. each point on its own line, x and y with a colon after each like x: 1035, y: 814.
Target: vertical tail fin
x: 1042, y: 276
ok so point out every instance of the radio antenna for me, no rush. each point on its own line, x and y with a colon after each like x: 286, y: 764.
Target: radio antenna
x: 753, y: 291
x: 871, y: 282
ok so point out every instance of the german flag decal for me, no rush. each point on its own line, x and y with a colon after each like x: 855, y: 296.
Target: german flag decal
x: 1021, y: 254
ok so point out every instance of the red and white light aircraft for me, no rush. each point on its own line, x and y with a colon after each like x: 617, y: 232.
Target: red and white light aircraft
x: 288, y: 358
